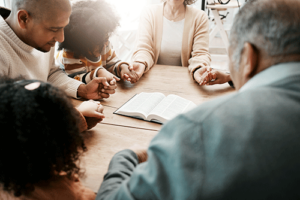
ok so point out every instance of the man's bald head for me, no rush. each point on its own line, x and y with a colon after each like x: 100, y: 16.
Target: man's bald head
x: 39, y: 9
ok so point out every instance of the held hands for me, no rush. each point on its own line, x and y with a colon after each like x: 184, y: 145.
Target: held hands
x: 92, y: 111
x: 91, y: 108
x: 96, y: 89
x: 127, y: 73
x: 109, y: 76
x: 208, y: 76
x: 139, y: 68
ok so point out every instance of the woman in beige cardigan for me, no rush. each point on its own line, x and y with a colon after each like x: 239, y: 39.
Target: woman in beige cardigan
x: 195, y: 37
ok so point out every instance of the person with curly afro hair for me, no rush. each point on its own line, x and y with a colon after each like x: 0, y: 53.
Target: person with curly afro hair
x: 41, y: 141
x: 86, y: 52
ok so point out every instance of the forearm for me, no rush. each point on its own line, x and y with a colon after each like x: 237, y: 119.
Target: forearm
x: 59, y: 79
x: 200, y: 56
x: 198, y: 61
x: 82, y: 122
x: 120, y: 168
x: 145, y: 48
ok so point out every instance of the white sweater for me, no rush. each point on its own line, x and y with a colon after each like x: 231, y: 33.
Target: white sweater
x: 19, y: 59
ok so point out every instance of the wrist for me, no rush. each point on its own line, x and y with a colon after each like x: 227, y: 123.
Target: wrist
x: 142, y: 63
x: 195, y: 70
x: 228, y: 77
x: 120, y: 68
x: 99, y: 71
x: 81, y: 91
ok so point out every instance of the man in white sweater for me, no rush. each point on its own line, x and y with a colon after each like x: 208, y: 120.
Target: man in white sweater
x: 27, y: 38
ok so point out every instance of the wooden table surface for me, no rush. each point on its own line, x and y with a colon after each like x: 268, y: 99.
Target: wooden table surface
x: 117, y: 132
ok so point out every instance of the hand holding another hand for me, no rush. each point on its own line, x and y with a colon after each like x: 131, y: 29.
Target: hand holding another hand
x: 92, y: 111
x: 96, y: 89
x: 209, y: 76
x: 91, y: 108
x: 202, y: 75
x: 139, y: 68
x: 127, y: 73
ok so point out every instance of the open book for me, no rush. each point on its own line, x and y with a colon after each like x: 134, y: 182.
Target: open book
x: 155, y: 107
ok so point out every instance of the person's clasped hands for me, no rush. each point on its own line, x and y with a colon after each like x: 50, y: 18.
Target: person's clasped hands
x: 209, y: 76
x: 92, y: 111
x: 131, y: 72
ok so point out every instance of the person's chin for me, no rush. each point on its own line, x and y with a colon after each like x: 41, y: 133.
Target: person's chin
x: 45, y: 48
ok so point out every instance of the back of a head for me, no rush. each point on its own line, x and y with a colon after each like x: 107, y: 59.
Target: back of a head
x: 91, y: 22
x: 272, y: 26
x: 41, y: 136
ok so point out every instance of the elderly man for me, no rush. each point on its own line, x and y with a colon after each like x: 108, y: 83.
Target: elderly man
x: 27, y: 38
x: 241, y: 146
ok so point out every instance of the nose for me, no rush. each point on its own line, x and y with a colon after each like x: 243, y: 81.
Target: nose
x: 60, y: 37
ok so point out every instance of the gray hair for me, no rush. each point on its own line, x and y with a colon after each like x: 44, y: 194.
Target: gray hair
x: 271, y: 26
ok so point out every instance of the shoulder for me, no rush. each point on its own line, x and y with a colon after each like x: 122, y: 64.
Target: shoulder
x: 152, y: 10
x: 238, y: 106
x: 4, y: 55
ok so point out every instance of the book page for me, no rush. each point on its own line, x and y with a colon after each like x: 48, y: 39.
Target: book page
x: 143, y: 103
x: 171, y: 106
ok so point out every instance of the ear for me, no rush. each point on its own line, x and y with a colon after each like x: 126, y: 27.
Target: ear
x: 23, y: 18
x: 250, y: 61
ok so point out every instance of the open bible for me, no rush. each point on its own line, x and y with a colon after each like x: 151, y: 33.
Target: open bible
x: 155, y: 107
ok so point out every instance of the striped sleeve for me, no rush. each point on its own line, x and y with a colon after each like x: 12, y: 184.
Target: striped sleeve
x: 74, y: 67
x: 110, y: 61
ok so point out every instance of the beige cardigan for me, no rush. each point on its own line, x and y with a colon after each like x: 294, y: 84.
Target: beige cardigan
x: 195, y: 40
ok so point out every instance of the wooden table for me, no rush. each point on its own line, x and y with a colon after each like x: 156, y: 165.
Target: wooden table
x: 117, y: 132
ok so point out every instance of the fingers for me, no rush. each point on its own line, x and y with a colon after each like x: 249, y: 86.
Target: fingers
x: 204, y: 78
x: 218, y: 81
x: 103, y: 95
x: 111, y: 87
x: 130, y: 67
x: 100, y: 109
x: 117, y: 78
x: 126, y: 76
x: 108, y: 91
x: 96, y: 102
x: 139, y: 68
x: 98, y: 115
x: 113, y: 82
x: 101, y: 80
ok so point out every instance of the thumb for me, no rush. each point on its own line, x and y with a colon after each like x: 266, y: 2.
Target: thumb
x: 117, y: 78
x: 98, y: 115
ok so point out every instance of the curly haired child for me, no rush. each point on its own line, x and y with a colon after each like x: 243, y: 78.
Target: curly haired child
x: 42, y: 141
x: 86, y: 51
